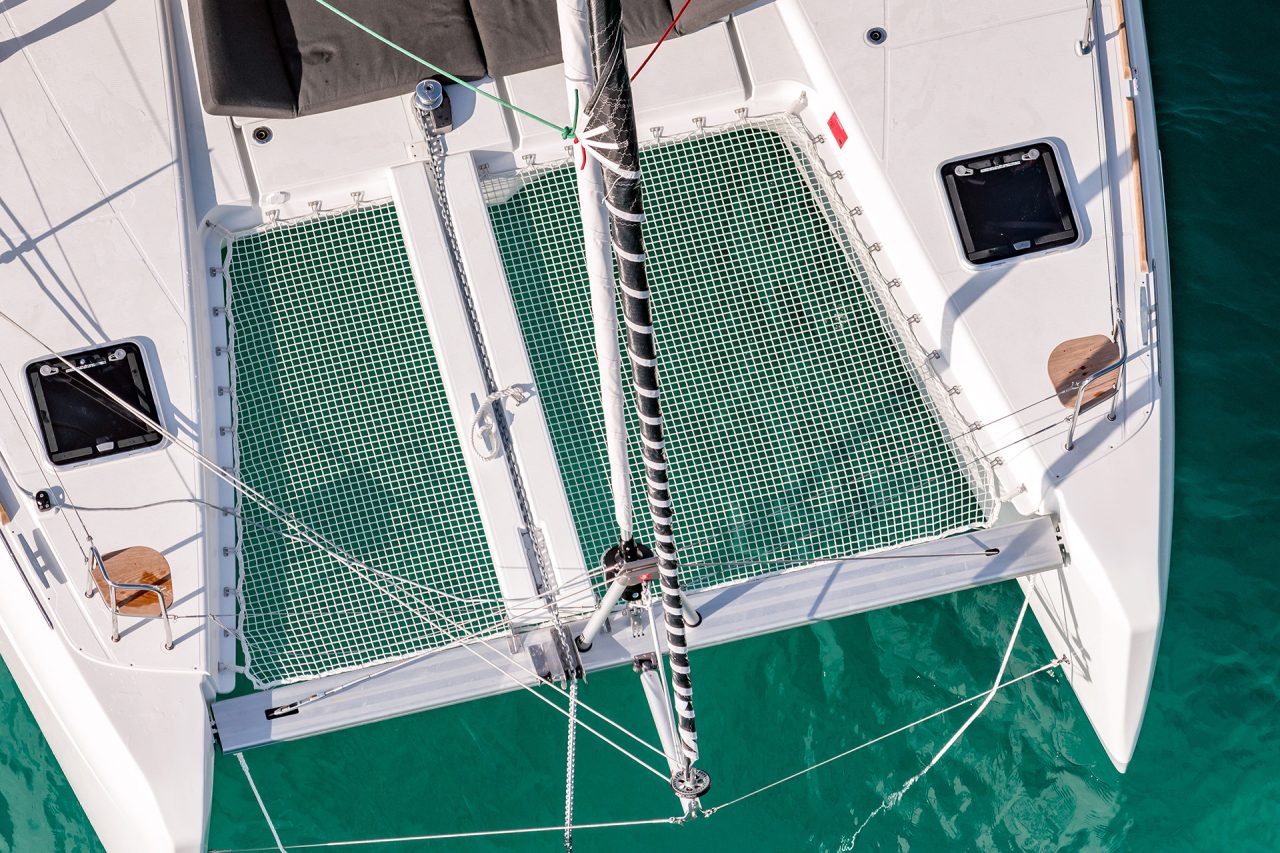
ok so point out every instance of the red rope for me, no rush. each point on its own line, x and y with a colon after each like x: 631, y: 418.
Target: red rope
x: 671, y: 26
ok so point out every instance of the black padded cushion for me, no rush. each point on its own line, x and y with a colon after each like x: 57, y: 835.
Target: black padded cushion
x: 238, y: 60
x: 520, y: 35
x: 332, y: 64
x: 703, y: 12
x: 285, y: 58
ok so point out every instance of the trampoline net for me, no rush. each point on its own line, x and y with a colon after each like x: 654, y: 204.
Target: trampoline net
x: 803, y: 422
x: 341, y: 418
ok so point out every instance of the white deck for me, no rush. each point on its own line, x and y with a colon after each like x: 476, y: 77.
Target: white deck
x: 93, y: 226
x: 108, y: 169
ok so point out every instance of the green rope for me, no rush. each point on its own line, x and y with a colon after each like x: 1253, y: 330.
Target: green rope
x: 565, y: 132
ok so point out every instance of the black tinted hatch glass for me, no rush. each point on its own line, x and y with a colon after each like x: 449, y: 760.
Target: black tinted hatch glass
x: 78, y: 422
x: 1010, y: 203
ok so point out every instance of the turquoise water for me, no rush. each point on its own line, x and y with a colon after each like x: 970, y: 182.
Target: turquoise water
x: 1028, y: 775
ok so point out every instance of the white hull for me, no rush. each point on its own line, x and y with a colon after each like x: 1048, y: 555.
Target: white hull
x: 112, y: 180
x: 135, y: 745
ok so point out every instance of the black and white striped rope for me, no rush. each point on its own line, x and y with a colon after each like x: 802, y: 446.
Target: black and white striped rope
x: 610, y: 138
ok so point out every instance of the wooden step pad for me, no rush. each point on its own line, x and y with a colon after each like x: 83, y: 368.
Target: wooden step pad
x: 1074, y: 361
x: 138, y: 564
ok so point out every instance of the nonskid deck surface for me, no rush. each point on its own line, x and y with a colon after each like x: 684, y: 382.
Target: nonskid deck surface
x: 800, y: 423
x: 797, y: 425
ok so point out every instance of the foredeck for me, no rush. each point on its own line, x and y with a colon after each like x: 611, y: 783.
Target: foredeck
x: 804, y: 426
x: 837, y: 378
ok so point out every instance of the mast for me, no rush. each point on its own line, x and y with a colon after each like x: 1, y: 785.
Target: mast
x: 607, y: 136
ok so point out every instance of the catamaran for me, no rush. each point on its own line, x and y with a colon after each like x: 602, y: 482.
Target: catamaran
x: 365, y: 357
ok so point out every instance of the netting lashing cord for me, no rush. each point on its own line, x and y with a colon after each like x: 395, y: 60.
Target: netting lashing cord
x: 985, y: 697
x: 671, y: 26
x: 356, y: 569
x: 565, y: 131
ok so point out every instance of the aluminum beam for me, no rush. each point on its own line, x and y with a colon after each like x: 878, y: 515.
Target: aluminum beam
x: 759, y: 606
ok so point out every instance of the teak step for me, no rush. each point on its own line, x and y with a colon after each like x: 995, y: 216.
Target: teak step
x: 138, y: 564
x: 1074, y: 361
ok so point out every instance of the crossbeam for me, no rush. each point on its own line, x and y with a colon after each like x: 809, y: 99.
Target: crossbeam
x: 770, y: 603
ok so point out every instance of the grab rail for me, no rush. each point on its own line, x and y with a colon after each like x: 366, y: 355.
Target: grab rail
x: 95, y: 558
x: 1115, y: 397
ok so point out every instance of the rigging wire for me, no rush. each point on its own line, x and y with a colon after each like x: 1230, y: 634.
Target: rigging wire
x: 462, y: 644
x: 448, y: 836
x: 356, y: 568
x: 244, y: 765
x: 284, y: 534
x: 984, y: 697
x: 1027, y: 437
x: 588, y: 576
x: 669, y: 706
x: 1057, y: 662
x: 565, y: 131
x: 984, y: 424
x: 671, y: 26
x: 896, y: 797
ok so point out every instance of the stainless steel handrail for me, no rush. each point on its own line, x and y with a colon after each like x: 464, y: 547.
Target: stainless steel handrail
x: 1085, y: 46
x: 1115, y: 397
x: 95, y: 557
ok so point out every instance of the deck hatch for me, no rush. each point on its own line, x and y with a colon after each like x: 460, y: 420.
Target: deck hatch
x: 1010, y: 203
x: 78, y: 423
x: 800, y: 424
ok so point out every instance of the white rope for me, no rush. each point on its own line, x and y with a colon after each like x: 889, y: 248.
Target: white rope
x: 485, y: 425
x: 670, y: 821
x: 244, y: 765
x: 875, y: 740
x: 570, y: 756
x: 357, y: 568
x: 896, y: 797
x: 673, y: 759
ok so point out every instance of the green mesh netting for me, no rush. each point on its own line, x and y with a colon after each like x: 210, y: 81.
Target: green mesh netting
x: 342, y: 419
x: 799, y: 428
